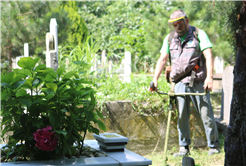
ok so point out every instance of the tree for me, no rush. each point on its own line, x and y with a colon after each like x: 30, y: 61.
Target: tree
x: 21, y: 22
x: 235, y: 142
x: 77, y: 30
x: 214, y: 17
x: 123, y: 26
x: 28, y: 22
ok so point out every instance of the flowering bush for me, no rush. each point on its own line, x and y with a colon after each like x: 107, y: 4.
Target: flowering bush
x: 45, y: 140
x: 36, y: 100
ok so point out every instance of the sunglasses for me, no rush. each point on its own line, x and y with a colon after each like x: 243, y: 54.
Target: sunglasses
x: 177, y: 20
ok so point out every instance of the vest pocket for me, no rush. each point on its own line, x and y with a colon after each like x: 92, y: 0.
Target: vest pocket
x: 190, y: 44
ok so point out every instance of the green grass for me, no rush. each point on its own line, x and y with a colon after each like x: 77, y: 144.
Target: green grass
x: 200, y: 156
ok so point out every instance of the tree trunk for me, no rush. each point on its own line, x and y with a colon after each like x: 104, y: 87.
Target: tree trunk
x: 235, y: 142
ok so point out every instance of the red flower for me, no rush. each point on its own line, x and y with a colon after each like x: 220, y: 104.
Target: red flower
x: 45, y: 140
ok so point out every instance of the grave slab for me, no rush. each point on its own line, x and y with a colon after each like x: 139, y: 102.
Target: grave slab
x: 125, y: 158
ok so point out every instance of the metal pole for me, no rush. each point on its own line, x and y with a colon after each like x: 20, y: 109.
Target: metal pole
x: 167, y: 135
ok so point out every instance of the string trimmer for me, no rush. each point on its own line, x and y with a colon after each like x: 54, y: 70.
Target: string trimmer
x: 171, y: 95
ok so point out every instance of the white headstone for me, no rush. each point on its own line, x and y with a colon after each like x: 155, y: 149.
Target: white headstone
x: 54, y: 32
x: 52, y: 40
x: 26, y: 50
x: 103, y: 58
x: 127, y: 66
x: 218, y: 64
x: 151, y: 69
x: 26, y: 54
x: 110, y: 66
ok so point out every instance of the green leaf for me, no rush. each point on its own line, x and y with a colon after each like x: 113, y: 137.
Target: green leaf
x: 61, y: 132
x: 92, y: 98
x: 37, y: 123
x: 101, y: 125
x: 95, y: 130
x: 23, y: 72
x: 24, y: 101
x: 99, y: 114
x: 60, y: 71
x: 52, y: 119
x: 68, y: 75
x: 89, y: 115
x: 52, y: 86
x: 28, y: 83
x: 23, y: 119
x: 18, y: 84
x: 51, y: 76
x: 40, y: 67
x: 5, y: 95
x: 27, y: 63
x: 36, y: 81
x: 6, y: 85
x: 8, y: 78
x: 19, y: 134
x: 45, y: 71
x: 21, y: 93
x: 49, y: 96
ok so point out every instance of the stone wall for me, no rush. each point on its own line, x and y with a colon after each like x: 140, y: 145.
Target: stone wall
x: 146, y: 132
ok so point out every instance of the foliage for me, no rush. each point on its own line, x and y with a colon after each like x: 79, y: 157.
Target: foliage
x: 118, y: 24
x: 114, y: 89
x: 22, y: 22
x: 35, y: 97
x: 77, y: 30
x: 79, y: 58
x: 156, y: 25
x: 140, y: 26
x: 28, y: 22
x: 133, y: 41
x: 218, y: 20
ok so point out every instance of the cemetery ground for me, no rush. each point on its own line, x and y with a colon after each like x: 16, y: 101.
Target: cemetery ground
x: 200, y: 155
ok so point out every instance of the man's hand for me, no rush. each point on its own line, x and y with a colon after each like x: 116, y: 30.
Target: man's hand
x: 155, y: 87
x: 208, y: 83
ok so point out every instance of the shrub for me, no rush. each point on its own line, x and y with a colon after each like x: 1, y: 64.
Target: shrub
x: 36, y: 97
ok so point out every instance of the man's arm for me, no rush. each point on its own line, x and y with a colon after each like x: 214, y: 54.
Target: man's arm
x: 208, y: 83
x: 160, y: 66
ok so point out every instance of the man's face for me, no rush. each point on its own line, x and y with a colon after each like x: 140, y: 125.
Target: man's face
x: 181, y: 27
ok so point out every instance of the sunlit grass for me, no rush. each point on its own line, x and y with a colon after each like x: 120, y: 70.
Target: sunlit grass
x: 200, y: 156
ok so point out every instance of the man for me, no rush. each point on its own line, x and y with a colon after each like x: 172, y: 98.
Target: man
x: 192, y: 71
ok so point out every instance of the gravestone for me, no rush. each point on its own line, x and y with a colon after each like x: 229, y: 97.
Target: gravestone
x: 227, y: 85
x: 110, y: 67
x: 52, y: 46
x: 103, y: 58
x: 218, y: 65
x: 26, y: 54
x: 26, y: 50
x: 127, y: 67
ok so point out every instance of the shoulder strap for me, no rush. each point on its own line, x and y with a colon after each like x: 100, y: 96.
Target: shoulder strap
x: 195, y: 31
x: 170, y: 37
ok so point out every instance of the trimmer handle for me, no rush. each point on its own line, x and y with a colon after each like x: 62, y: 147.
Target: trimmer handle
x: 152, y: 86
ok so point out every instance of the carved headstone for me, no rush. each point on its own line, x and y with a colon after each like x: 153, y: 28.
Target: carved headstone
x: 52, y: 46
